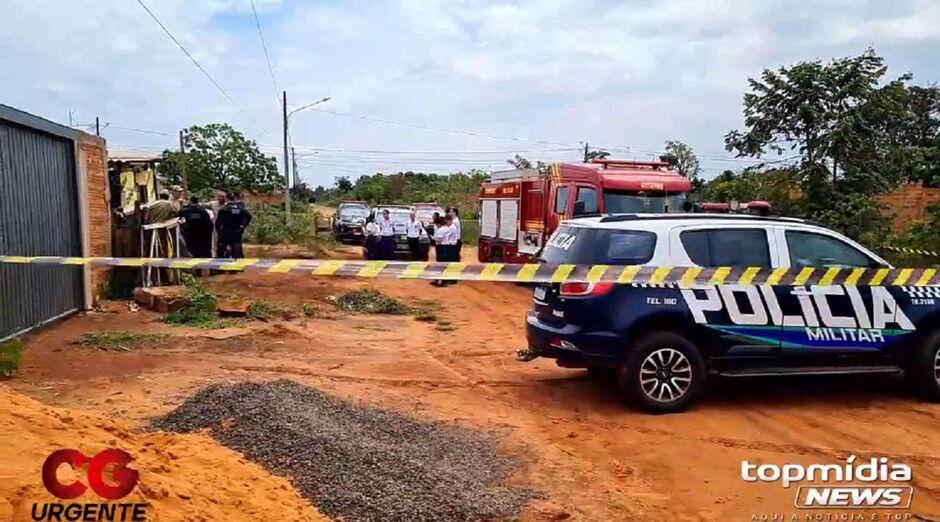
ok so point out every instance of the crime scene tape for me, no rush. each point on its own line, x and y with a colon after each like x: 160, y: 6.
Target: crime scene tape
x: 525, y: 273
x: 917, y: 251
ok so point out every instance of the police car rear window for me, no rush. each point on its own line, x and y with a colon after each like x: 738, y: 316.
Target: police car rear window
x: 588, y: 246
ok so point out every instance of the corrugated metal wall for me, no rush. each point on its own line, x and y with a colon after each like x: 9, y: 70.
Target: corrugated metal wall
x: 38, y: 217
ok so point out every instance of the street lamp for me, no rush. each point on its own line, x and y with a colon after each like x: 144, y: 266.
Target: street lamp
x: 298, y: 109
x: 287, y: 115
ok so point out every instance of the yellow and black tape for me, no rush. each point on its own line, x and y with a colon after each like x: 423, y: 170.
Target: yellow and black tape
x: 915, y: 251
x: 526, y: 273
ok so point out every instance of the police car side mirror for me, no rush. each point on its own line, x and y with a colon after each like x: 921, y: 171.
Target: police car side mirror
x: 579, y: 208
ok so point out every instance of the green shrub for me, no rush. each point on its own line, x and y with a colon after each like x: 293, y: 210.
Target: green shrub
x: 268, y: 227
x: 200, y: 308
x: 370, y: 301
x: 10, y: 354
x: 469, y: 231
x: 264, y: 310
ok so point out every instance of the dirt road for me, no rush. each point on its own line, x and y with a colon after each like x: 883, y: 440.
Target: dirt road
x: 596, y: 459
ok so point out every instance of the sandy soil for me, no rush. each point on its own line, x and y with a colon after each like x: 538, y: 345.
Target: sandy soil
x: 596, y: 459
x: 182, y: 477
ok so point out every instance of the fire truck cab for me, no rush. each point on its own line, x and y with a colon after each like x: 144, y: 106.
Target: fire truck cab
x: 520, y: 208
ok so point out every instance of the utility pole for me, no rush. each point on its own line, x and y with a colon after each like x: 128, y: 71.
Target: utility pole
x: 97, y: 127
x: 585, y: 152
x: 293, y: 158
x: 71, y: 124
x: 286, y: 164
x: 183, y: 163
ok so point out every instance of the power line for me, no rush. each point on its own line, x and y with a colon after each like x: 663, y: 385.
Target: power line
x: 267, y: 56
x: 321, y: 150
x: 367, y: 162
x: 438, y: 129
x: 128, y: 129
x: 190, y: 56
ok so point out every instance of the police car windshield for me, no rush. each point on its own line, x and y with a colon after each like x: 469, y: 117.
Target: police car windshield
x: 354, y: 212
x: 586, y: 246
x: 399, y: 218
x: 429, y: 212
x: 632, y: 202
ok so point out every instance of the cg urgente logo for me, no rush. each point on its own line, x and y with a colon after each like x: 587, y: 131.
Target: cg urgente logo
x: 108, y: 476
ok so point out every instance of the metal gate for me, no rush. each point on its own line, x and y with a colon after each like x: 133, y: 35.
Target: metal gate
x: 39, y: 216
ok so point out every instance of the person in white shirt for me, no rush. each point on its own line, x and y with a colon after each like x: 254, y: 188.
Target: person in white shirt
x: 371, y: 232
x: 455, y: 217
x: 445, y: 238
x: 415, y: 231
x: 387, y: 237
x: 442, y: 233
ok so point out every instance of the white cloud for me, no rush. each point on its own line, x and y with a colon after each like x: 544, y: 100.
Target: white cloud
x: 625, y: 74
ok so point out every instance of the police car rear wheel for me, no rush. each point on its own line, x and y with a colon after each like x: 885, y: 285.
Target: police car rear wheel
x: 662, y: 373
x: 924, y: 370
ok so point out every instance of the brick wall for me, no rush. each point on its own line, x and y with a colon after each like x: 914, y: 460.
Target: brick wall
x: 94, y: 163
x: 908, y: 204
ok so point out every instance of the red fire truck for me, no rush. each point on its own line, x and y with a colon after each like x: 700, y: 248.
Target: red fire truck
x: 519, y: 209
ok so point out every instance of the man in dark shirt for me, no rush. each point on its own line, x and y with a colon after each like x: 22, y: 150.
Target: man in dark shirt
x: 197, y: 228
x: 233, y: 218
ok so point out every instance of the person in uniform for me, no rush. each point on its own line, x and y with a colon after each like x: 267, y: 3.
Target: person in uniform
x: 442, y: 236
x: 415, y: 232
x: 160, y: 210
x: 233, y: 218
x: 177, y: 198
x: 451, y: 244
x: 386, y: 237
x: 455, y: 222
x: 197, y: 228
x: 371, y: 232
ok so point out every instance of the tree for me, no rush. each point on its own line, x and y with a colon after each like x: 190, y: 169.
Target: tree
x: 590, y: 155
x: 343, y: 184
x: 683, y: 159
x: 777, y: 186
x: 520, y: 163
x: 220, y: 157
x: 853, y: 136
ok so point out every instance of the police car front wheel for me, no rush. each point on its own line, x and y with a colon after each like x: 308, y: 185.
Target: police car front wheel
x: 924, y: 370
x: 662, y: 373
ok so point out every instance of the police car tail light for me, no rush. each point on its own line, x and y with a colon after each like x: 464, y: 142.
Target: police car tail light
x: 585, y: 289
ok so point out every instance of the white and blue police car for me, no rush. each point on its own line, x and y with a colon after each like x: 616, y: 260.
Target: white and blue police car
x: 662, y: 340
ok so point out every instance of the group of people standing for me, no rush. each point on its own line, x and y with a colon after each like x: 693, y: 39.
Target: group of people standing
x: 227, y: 216
x: 447, y: 242
x: 380, y: 237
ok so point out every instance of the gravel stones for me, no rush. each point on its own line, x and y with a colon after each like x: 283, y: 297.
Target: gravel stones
x: 354, y: 462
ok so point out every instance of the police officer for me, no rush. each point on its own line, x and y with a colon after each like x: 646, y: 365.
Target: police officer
x: 197, y: 228
x: 371, y: 232
x: 443, y: 245
x: 233, y: 218
x: 415, y: 233
x: 386, y: 237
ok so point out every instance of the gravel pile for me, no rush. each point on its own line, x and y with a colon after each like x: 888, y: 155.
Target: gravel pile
x: 356, y: 462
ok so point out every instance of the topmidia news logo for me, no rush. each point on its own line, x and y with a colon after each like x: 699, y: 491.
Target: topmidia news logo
x: 876, y: 483
x: 108, y: 477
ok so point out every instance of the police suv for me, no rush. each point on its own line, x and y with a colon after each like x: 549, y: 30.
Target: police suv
x: 663, y: 340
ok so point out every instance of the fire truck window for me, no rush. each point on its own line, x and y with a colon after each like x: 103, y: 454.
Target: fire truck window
x: 808, y: 249
x: 727, y: 247
x: 561, y: 200
x: 589, y: 197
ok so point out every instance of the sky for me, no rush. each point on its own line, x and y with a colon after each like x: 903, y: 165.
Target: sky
x: 436, y: 85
